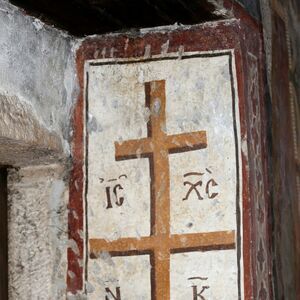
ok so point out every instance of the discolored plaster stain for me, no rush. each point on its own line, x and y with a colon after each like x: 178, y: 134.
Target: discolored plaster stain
x: 147, y: 51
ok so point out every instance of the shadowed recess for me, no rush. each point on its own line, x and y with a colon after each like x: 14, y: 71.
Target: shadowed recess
x: 3, y: 235
x: 85, y: 17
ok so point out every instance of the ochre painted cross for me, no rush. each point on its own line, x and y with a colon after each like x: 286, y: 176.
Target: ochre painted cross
x: 161, y: 243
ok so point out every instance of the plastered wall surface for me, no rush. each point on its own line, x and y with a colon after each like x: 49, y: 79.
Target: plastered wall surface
x: 37, y: 67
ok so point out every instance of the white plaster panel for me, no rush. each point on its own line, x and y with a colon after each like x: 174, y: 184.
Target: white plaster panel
x: 199, y: 97
x: 203, y: 102
x: 221, y: 282
x: 130, y: 274
x: 117, y: 112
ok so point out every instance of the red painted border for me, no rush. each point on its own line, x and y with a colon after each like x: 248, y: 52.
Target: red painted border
x: 243, y: 36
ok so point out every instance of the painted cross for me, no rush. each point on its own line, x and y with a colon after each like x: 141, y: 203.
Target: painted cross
x: 161, y: 243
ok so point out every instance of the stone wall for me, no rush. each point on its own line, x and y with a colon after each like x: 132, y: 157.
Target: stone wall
x: 38, y: 232
x: 37, y: 90
x: 281, y: 21
x: 37, y: 81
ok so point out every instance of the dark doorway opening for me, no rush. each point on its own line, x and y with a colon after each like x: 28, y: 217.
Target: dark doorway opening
x: 3, y: 235
x: 85, y: 17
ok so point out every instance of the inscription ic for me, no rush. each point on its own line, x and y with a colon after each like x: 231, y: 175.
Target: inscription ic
x: 113, y: 191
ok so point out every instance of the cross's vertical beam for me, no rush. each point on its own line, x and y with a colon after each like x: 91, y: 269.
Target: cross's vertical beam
x: 160, y: 177
x: 156, y: 102
x: 160, y: 185
x: 157, y: 147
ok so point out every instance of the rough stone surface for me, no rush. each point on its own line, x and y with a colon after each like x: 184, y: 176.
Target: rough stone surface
x: 37, y: 233
x: 286, y: 138
x: 285, y: 112
x: 37, y: 65
x: 37, y: 91
x: 266, y: 13
x: 252, y: 6
x: 23, y: 139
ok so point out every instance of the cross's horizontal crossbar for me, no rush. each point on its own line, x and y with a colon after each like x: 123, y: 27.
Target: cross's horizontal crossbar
x: 186, y: 142
x: 176, y: 243
x: 173, y: 144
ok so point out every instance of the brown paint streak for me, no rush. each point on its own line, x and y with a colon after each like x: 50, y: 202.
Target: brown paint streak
x: 175, y: 243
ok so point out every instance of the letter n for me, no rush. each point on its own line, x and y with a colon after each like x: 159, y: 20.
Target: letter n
x: 115, y: 297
